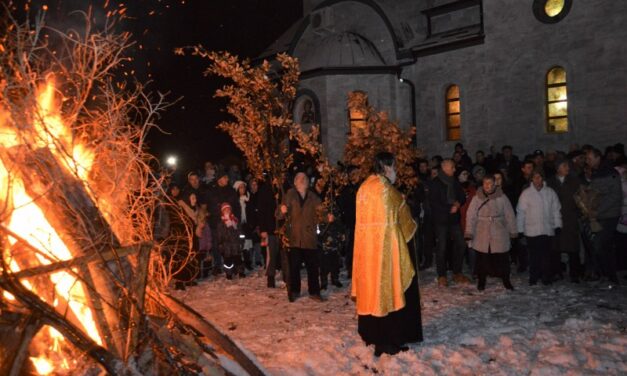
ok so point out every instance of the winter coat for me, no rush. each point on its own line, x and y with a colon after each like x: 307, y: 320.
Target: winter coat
x: 569, y: 237
x: 265, y: 207
x: 606, y: 181
x: 215, y: 198
x: 347, y: 204
x: 490, y: 222
x: 518, y: 186
x: 302, y: 218
x: 470, y: 191
x: 252, y: 218
x: 538, y: 212
x: 418, y: 202
x: 228, y: 240
x: 332, y: 237
x: 511, y: 167
x: 440, y: 207
x: 205, y: 241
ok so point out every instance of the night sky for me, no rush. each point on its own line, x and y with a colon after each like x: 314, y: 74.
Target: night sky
x: 243, y: 27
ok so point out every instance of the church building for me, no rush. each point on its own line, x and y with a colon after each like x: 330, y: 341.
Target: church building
x: 528, y: 73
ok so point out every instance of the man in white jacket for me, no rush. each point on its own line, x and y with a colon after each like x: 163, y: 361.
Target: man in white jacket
x: 539, y: 218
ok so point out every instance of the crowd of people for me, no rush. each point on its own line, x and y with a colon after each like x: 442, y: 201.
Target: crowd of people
x: 549, y: 213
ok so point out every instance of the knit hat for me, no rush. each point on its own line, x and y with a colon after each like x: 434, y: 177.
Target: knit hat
x: 224, y: 206
x: 237, y: 184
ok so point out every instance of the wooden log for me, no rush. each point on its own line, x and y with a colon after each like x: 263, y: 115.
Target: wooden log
x: 51, y: 317
x: 32, y: 326
x: 25, y: 257
x: 67, y: 266
x: 192, y: 319
x: 75, y: 262
x: 67, y: 205
x: 16, y: 331
x: 138, y: 295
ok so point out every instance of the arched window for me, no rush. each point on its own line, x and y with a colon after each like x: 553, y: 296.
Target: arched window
x: 453, y: 114
x: 556, y: 101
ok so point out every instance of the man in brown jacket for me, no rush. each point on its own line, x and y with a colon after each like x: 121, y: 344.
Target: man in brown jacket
x: 300, y: 209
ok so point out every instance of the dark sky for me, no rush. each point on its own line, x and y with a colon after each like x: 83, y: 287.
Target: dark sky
x: 243, y: 27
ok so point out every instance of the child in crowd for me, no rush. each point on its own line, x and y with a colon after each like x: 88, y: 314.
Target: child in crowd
x: 229, y: 241
x: 331, y: 237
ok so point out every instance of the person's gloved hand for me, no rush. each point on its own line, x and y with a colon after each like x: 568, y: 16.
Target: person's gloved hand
x: 558, y: 230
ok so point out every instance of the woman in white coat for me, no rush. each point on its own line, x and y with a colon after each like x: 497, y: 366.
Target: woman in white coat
x: 490, y: 223
x: 539, y: 218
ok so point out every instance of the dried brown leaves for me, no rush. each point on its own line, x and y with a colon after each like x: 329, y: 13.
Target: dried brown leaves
x: 379, y: 134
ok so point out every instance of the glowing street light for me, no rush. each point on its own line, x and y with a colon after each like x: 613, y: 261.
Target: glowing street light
x: 171, y: 161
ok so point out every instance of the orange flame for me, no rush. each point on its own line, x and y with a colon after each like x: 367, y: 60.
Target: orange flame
x: 42, y: 365
x: 29, y: 222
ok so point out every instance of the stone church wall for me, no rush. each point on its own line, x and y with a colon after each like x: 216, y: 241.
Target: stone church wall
x: 502, y: 81
x: 385, y: 92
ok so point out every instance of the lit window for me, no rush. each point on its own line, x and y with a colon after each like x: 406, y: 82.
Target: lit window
x: 357, y: 110
x: 357, y: 119
x: 556, y: 100
x: 453, y: 113
x: 551, y: 11
x: 553, y: 7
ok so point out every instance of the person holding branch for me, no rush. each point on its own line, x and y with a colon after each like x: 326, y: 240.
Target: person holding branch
x: 300, y: 207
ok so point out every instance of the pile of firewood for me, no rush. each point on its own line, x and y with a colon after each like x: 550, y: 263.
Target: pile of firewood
x: 101, y: 211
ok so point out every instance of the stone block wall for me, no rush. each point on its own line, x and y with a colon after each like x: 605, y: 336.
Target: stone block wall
x: 385, y: 93
x: 502, y: 81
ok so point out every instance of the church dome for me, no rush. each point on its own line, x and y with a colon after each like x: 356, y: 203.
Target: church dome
x: 341, y: 50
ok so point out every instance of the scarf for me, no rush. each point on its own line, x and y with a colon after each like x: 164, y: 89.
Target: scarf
x: 450, y: 189
x: 242, y: 204
x: 230, y: 220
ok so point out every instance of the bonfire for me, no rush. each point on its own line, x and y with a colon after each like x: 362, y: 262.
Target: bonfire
x: 83, y: 281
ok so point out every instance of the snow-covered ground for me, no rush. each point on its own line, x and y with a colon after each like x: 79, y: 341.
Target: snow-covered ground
x: 563, y: 329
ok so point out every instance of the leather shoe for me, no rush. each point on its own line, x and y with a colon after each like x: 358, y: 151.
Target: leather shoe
x: 316, y: 297
x: 461, y: 279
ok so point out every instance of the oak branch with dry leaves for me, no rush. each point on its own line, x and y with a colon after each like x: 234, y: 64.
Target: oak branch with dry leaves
x: 375, y: 134
x: 260, y: 100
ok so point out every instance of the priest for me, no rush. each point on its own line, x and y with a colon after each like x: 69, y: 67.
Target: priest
x: 385, y: 283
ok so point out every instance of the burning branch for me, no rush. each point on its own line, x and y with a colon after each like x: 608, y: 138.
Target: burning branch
x: 78, y: 195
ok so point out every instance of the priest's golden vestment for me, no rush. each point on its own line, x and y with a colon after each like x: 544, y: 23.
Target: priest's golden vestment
x: 382, y: 267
